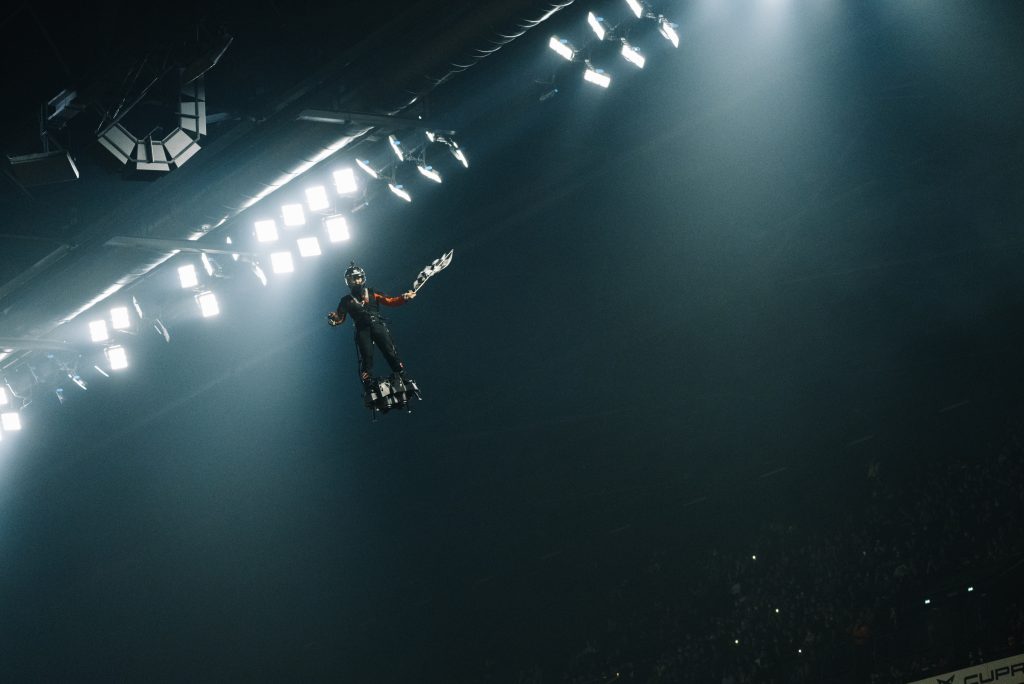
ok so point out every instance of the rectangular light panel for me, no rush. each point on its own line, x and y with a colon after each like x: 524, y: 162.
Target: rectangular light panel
x: 337, y: 228
x: 429, y: 172
x: 633, y: 55
x: 345, y: 181
x: 282, y: 262
x: 3, y: 396
x: 266, y: 231
x: 561, y: 47
x: 309, y: 247
x: 119, y: 318
x: 208, y: 304
x: 98, y: 331
x: 117, y: 357
x: 293, y: 215
x: 399, y: 191
x: 597, y: 24
x: 596, y: 77
x: 316, y: 198
x: 187, y: 276
x: 11, y: 422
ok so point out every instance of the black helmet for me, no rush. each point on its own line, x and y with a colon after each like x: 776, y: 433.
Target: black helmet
x: 354, y: 273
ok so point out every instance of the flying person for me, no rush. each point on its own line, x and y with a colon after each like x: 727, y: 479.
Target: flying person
x: 363, y: 304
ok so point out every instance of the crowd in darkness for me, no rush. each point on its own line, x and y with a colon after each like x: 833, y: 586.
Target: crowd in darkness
x: 842, y: 601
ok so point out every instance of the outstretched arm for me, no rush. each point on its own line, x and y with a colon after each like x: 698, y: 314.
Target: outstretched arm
x: 394, y: 301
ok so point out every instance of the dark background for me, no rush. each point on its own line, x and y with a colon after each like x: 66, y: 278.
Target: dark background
x: 701, y: 297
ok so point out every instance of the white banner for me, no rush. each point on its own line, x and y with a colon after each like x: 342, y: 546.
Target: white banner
x: 1005, y: 671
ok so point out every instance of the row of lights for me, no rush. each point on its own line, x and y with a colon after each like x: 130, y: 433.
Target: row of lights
x: 603, y: 32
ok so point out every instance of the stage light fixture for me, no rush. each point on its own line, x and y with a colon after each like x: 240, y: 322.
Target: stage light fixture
x: 282, y: 262
x: 266, y: 231
x: 208, y: 304
x: 430, y: 135
x: 458, y: 154
x: 187, y: 276
x: 120, y: 318
x: 98, y: 331
x: 597, y: 25
x: 396, y: 147
x: 117, y: 357
x: 562, y: 47
x: 337, y: 228
x: 293, y: 215
x: 637, y: 8
x: 399, y: 191
x: 428, y: 172
x: 10, y: 421
x: 309, y: 247
x: 207, y: 264
x: 365, y: 166
x: 597, y: 77
x: 345, y: 181
x: 316, y: 198
x: 633, y: 55
x: 4, y: 400
x: 666, y: 28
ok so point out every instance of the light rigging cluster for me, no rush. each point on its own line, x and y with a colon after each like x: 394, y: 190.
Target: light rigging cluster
x: 596, y: 45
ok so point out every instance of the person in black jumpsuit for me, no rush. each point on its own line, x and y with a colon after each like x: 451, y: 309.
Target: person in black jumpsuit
x: 363, y: 306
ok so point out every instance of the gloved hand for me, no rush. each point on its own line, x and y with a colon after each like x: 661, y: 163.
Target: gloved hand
x: 333, y: 318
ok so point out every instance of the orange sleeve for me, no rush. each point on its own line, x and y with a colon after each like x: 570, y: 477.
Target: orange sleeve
x: 389, y: 301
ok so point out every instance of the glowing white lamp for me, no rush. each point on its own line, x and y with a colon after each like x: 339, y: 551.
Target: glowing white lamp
x: 458, y: 154
x: 11, y: 422
x: 666, y: 29
x: 119, y: 318
x: 597, y: 77
x: 562, y: 47
x: 396, y: 147
x: 429, y: 172
x: 633, y: 55
x: 337, y: 228
x: 637, y: 8
x: 597, y: 24
x: 98, y: 331
x: 293, y: 215
x: 316, y: 198
x: 399, y: 191
x: 345, y: 181
x: 117, y: 357
x: 266, y: 231
x: 282, y: 262
x: 208, y: 305
x: 309, y: 247
x: 187, y: 276
x: 367, y: 169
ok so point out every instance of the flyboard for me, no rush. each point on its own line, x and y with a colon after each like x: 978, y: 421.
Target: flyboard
x: 395, y: 392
